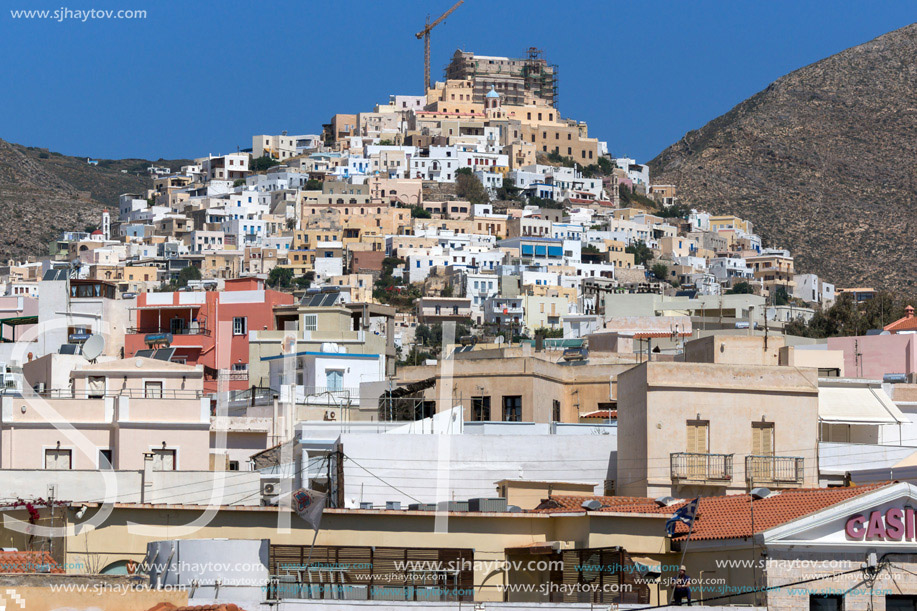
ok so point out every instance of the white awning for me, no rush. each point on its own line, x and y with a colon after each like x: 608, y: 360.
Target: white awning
x: 857, y: 405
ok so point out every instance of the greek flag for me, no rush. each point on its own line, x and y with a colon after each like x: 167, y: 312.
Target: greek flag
x: 686, y: 514
x: 309, y: 504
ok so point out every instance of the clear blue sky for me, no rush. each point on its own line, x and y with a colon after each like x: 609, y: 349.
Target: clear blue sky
x: 201, y: 77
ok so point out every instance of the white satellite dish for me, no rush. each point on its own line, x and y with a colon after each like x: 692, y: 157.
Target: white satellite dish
x: 93, y: 347
x: 499, y: 340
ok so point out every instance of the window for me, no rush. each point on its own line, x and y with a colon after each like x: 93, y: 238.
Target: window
x: 239, y: 325
x: 826, y: 602
x: 58, y: 460
x: 334, y: 379
x: 480, y: 409
x: 762, y: 438
x: 95, y: 387
x: 105, y: 459
x: 512, y: 409
x: 152, y: 390
x: 696, y: 447
x: 163, y: 460
x: 900, y: 602
x: 233, y: 465
x: 555, y: 410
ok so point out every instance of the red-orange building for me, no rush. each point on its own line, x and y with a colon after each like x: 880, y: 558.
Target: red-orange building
x: 209, y: 328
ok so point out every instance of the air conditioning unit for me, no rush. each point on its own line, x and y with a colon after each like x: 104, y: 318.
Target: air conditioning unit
x: 270, y: 491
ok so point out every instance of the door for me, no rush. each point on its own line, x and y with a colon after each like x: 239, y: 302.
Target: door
x: 58, y: 460
x: 334, y: 379
x: 163, y: 460
x: 697, y: 449
x: 152, y: 390
x: 762, y: 449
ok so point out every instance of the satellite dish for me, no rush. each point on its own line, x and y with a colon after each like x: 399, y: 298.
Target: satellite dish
x: 93, y: 347
x: 499, y: 340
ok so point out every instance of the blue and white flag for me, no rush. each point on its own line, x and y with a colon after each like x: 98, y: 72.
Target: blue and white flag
x: 309, y: 504
x: 686, y: 515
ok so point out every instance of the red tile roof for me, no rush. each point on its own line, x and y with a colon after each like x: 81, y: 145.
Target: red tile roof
x: 908, y: 323
x: 219, y: 607
x: 603, y: 414
x: 28, y: 562
x: 722, y: 517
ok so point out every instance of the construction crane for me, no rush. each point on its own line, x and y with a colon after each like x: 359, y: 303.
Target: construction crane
x: 425, y: 34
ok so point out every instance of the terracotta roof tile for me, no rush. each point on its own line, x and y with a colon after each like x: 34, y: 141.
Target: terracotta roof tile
x: 908, y: 323
x: 722, y: 517
x: 604, y: 414
x: 28, y: 562
x: 219, y: 607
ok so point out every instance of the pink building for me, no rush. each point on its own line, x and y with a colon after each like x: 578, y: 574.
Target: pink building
x: 208, y: 328
x: 118, y: 410
x: 874, y: 356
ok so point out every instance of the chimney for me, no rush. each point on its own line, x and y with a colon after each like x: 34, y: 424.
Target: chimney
x: 909, y: 312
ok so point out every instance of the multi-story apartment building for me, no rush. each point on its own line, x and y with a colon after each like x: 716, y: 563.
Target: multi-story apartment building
x: 207, y: 328
x: 726, y: 420
x: 517, y: 79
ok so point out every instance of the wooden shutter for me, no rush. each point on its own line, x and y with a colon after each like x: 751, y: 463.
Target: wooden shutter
x: 762, y: 438
x: 697, y: 437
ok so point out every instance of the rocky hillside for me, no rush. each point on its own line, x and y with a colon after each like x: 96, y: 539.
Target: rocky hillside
x: 43, y: 193
x: 823, y: 162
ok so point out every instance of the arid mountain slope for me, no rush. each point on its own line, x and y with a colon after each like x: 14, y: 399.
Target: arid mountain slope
x: 43, y: 193
x: 823, y: 161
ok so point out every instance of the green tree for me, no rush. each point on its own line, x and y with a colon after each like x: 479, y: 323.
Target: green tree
x: 304, y: 281
x: 431, y: 336
x: 661, y: 271
x: 781, y: 297
x: 508, y: 191
x: 468, y: 187
x: 534, y: 200
x: 629, y: 197
x: 260, y: 164
x: 238, y: 182
x: 590, y: 249
x: 186, y: 274
x: 549, y: 333
x: 643, y: 254
x: 280, y: 277
x: 313, y: 185
x: 741, y: 288
x: 418, y: 212
x: 675, y: 211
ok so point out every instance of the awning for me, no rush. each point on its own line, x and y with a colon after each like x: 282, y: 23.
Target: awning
x: 645, y: 564
x: 857, y: 405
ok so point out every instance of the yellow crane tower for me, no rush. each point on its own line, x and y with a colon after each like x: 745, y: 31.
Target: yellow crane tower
x: 425, y: 35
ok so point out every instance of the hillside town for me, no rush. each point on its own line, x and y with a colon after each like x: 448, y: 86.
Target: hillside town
x: 448, y: 350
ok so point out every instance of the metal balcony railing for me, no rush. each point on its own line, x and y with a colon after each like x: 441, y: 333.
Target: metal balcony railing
x: 134, y: 393
x: 177, y: 331
x: 774, y: 470
x: 700, y: 468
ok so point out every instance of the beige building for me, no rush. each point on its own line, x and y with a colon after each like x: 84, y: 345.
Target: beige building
x: 521, y: 385
x: 774, y: 270
x: 119, y: 410
x: 357, y: 328
x: 726, y: 421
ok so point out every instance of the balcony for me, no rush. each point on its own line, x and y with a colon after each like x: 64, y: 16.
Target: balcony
x: 176, y: 330
x: 774, y: 470
x: 694, y: 468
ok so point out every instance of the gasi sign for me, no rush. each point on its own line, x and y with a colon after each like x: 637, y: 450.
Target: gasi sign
x: 894, y: 524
